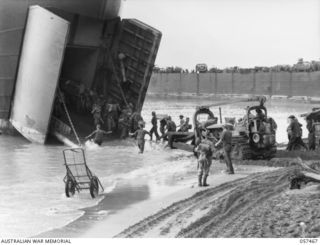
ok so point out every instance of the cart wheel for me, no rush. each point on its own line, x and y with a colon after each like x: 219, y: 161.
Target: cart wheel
x: 70, y: 188
x: 94, y: 187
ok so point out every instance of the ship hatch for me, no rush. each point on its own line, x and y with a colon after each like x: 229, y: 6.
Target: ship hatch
x: 38, y: 74
x: 97, y: 69
x: 78, y: 58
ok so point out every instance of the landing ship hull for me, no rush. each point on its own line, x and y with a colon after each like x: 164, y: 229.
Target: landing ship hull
x: 47, y: 44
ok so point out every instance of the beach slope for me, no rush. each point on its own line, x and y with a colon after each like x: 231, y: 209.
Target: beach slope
x: 260, y: 205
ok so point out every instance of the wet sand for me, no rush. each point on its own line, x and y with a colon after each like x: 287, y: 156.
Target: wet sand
x: 131, y: 202
x: 260, y: 205
x: 255, y: 193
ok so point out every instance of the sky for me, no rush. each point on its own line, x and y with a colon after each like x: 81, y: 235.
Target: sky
x: 225, y: 33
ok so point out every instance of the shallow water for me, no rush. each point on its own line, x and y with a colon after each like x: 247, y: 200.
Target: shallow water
x: 278, y: 109
x: 33, y: 199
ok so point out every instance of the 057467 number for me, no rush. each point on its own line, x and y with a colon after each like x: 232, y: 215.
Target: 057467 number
x: 311, y: 240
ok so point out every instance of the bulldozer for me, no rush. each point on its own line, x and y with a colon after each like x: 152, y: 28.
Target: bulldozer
x: 253, y: 136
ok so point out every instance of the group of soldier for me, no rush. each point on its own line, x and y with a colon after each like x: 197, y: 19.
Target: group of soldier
x: 114, y: 117
x: 131, y: 123
x: 294, y: 131
x: 167, y: 125
x: 205, y: 149
x: 206, y: 146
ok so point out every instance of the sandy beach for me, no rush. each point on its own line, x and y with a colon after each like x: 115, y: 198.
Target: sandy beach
x: 116, y: 223
x: 260, y: 205
x: 247, y: 204
x: 109, y: 218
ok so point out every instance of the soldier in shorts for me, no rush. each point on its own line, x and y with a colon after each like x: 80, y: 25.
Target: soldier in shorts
x: 204, y: 150
x: 139, y: 134
x: 98, y: 135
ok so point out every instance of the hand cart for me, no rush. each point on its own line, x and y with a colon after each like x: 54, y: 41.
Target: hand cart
x: 79, y: 176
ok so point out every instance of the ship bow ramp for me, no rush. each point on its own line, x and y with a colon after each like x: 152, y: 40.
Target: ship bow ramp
x: 85, y: 51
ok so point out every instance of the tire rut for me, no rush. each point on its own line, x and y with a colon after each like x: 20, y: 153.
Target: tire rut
x: 228, y: 210
x: 243, y: 199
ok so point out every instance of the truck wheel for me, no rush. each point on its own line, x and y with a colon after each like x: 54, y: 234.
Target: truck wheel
x: 94, y: 187
x: 70, y: 188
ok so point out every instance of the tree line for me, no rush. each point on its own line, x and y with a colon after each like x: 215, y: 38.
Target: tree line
x: 300, y: 66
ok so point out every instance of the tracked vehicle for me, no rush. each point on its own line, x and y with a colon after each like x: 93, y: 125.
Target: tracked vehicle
x: 253, y: 135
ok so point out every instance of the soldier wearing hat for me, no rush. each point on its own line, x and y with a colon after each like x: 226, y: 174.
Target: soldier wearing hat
x: 226, y: 141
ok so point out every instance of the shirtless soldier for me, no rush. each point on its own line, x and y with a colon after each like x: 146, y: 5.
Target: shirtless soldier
x: 139, y: 134
x: 98, y: 135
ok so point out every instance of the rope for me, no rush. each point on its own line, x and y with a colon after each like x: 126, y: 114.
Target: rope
x: 68, y: 116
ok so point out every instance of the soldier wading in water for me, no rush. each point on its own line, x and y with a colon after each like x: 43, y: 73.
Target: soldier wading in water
x: 98, y: 135
x: 139, y: 134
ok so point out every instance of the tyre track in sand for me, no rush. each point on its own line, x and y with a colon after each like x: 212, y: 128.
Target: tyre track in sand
x: 228, y: 210
x: 143, y: 226
x: 241, y: 201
